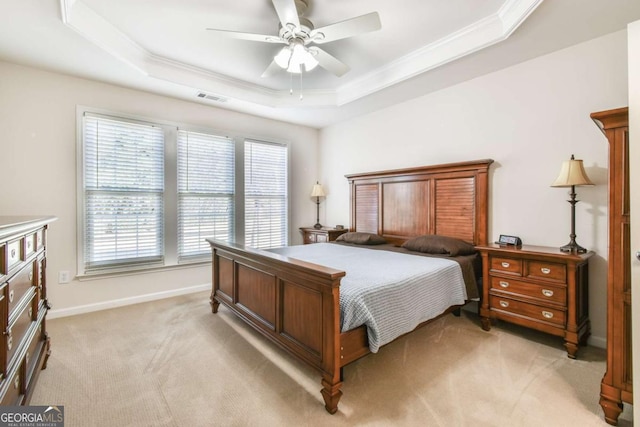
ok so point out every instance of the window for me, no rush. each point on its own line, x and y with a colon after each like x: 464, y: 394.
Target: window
x: 266, y: 194
x: 151, y: 192
x: 206, y: 187
x: 124, y: 187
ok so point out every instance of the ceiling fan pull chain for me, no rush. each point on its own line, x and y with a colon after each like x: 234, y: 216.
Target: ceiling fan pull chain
x: 301, y: 73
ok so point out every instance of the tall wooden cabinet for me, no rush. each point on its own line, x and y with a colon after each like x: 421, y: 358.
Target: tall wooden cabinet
x: 616, y: 386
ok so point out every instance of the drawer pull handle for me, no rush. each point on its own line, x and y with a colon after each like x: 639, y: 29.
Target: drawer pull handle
x: 505, y: 264
x: 547, y: 314
x: 9, y: 341
x: 13, y: 253
x: 547, y: 292
x: 545, y: 270
x: 16, y: 382
x: 504, y: 304
x: 29, y: 244
x: 30, y: 311
x: 11, y: 295
x: 504, y: 284
x: 30, y: 275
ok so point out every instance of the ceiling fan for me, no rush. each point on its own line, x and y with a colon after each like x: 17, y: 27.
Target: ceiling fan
x: 297, y: 33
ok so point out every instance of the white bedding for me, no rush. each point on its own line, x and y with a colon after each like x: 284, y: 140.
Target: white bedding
x: 390, y: 292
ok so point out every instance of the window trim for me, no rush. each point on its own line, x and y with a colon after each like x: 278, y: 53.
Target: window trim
x: 170, y: 225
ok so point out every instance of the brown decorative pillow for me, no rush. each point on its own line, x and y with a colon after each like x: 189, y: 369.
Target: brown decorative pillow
x: 360, y: 238
x: 439, y: 245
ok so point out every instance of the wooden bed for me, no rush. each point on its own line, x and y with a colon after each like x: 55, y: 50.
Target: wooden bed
x: 296, y: 304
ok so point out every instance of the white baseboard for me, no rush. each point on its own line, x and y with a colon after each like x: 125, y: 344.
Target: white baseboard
x: 88, y: 308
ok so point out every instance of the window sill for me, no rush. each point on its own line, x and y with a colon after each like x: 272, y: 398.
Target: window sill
x: 132, y: 271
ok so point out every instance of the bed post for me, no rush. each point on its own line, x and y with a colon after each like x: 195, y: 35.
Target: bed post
x: 331, y: 377
x: 216, y: 284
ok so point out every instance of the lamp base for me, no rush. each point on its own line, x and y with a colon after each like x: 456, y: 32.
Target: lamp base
x: 317, y: 226
x: 573, y: 247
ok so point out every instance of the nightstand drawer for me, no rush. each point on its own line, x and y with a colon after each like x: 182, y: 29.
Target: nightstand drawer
x: 320, y: 235
x: 506, y: 265
x: 309, y: 238
x: 322, y: 238
x: 544, y: 270
x: 554, y: 294
x: 533, y: 311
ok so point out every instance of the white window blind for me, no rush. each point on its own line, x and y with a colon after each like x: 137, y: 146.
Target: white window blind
x: 266, y: 194
x: 206, y: 187
x: 124, y: 187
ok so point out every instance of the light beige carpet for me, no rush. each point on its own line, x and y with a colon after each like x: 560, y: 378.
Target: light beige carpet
x: 174, y: 363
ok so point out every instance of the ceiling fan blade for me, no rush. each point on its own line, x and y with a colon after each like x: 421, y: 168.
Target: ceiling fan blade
x: 329, y: 62
x: 248, y: 36
x: 271, y: 70
x: 287, y: 12
x: 348, y: 28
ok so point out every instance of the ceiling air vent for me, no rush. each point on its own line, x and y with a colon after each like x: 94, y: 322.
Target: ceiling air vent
x: 211, y: 97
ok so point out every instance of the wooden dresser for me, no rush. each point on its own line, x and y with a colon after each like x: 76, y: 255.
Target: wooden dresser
x: 24, y: 348
x: 538, y: 287
x: 321, y: 235
x: 616, y: 386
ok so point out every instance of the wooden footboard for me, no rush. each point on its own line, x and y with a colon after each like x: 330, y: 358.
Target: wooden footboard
x: 293, y: 303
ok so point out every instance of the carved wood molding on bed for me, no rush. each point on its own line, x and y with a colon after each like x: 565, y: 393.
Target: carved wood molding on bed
x: 296, y: 304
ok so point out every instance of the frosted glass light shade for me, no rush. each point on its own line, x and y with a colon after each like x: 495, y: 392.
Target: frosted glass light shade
x: 294, y: 56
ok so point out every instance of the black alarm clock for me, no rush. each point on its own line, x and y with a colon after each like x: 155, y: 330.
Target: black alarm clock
x: 506, y: 240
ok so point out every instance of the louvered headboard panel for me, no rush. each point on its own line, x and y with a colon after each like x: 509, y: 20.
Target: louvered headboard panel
x: 450, y: 200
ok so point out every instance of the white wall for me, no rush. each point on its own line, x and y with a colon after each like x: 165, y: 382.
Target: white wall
x: 634, y: 168
x: 528, y: 118
x: 38, y: 148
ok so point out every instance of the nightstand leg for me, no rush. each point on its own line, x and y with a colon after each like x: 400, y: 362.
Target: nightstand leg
x: 486, y: 323
x: 572, y: 349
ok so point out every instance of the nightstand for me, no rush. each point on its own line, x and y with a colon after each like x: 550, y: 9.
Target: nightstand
x: 538, y: 287
x: 322, y: 235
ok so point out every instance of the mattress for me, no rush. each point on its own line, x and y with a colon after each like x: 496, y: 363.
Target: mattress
x: 389, y: 292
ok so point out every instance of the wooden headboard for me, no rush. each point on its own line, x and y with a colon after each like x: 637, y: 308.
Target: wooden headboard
x: 449, y: 200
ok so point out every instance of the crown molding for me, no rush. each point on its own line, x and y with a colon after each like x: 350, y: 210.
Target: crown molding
x: 495, y: 28
x: 479, y: 35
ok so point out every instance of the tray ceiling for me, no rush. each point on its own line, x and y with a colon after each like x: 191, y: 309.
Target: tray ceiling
x: 163, y: 46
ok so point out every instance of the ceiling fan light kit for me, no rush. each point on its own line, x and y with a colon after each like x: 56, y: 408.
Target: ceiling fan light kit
x: 297, y: 32
x: 294, y: 57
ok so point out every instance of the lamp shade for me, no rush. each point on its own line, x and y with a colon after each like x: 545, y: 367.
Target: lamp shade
x: 572, y: 173
x: 317, y: 191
